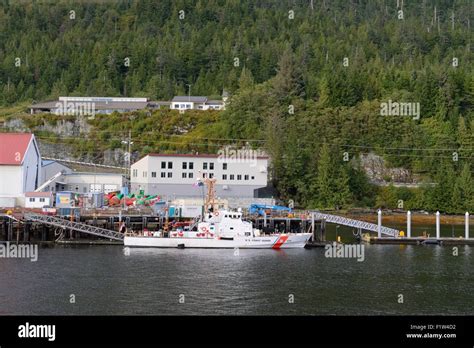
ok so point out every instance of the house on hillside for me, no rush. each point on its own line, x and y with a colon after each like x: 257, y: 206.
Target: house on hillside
x: 196, y: 103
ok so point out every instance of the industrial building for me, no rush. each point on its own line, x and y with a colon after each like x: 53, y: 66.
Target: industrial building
x: 175, y: 176
x: 107, y: 105
x: 81, y: 182
x: 90, y: 182
x: 20, y: 166
x: 89, y: 105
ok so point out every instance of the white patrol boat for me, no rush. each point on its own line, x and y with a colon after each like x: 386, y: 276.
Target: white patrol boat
x: 218, y: 229
x: 221, y: 229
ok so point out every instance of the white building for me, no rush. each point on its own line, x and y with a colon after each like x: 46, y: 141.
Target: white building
x: 38, y: 199
x: 20, y: 164
x: 196, y: 103
x: 81, y: 182
x: 173, y: 176
x: 90, y: 182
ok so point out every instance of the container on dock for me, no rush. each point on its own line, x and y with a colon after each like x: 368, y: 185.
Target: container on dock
x: 97, y: 200
x: 190, y: 211
x: 65, y: 199
x: 159, y: 207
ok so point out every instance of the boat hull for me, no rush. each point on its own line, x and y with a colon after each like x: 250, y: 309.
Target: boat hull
x: 282, y: 241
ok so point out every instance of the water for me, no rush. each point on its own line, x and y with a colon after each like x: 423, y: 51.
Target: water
x: 256, y: 282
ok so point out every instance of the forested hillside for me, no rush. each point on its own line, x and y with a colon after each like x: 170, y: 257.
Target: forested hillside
x: 307, y: 80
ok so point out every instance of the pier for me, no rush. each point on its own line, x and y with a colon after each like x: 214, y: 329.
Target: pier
x: 104, y: 227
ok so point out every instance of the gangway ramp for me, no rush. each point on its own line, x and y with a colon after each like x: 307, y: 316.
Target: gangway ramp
x: 76, y: 226
x: 340, y: 220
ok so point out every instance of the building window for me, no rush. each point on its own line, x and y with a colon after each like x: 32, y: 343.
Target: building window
x: 191, y: 165
x: 153, y: 174
x: 224, y: 166
x: 204, y: 175
x: 211, y: 166
x: 246, y: 177
x: 135, y: 173
x: 163, y: 174
x: 42, y: 200
x: 185, y: 165
x: 211, y: 175
x: 253, y: 177
x: 170, y: 165
x: 224, y: 176
x: 188, y: 106
x: 204, y: 165
x: 184, y: 175
x: 239, y: 177
x: 32, y: 199
x: 163, y: 165
x: 176, y: 106
x: 145, y: 174
x: 170, y: 175
x: 231, y: 177
x: 190, y: 175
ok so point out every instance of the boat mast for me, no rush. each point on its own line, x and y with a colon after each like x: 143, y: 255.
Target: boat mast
x: 210, y: 203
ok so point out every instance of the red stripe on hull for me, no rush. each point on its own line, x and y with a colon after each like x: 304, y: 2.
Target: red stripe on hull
x: 280, y: 242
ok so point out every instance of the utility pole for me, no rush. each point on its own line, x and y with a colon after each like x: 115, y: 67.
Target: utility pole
x: 189, y: 92
x: 129, y: 142
x: 129, y: 151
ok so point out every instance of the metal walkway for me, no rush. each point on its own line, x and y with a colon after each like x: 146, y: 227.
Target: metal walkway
x: 356, y: 223
x: 76, y: 226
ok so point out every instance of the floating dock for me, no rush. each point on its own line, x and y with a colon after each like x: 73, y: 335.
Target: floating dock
x: 422, y: 241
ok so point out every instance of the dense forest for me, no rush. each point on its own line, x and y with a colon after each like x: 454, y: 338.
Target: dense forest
x: 307, y: 80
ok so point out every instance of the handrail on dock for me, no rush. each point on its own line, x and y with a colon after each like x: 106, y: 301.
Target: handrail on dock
x: 340, y: 220
x: 76, y: 226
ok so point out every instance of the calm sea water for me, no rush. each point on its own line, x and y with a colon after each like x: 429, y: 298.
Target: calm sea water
x: 256, y: 282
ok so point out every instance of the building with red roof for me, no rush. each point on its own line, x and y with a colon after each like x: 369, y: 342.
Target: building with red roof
x: 20, y: 164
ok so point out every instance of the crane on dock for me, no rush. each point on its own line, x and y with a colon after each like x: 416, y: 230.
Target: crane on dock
x: 49, y: 181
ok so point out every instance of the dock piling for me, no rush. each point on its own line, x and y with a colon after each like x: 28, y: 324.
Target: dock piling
x: 467, y: 225
x: 409, y: 224
x: 438, y: 229
x: 379, y: 223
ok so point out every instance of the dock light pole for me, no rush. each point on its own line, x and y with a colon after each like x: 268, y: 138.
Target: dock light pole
x: 437, y: 225
x: 408, y: 224
x: 379, y: 223
x: 189, y: 92
x: 467, y: 225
